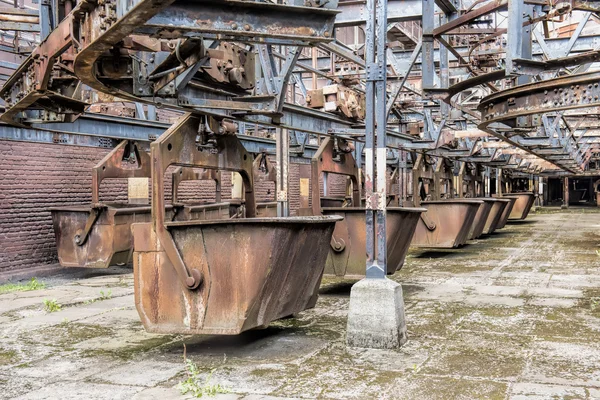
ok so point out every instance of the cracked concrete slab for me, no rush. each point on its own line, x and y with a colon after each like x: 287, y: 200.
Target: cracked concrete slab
x: 515, y: 315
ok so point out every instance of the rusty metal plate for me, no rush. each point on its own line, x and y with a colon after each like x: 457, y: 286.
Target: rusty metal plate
x: 254, y: 271
x: 522, y: 206
x: 347, y: 255
x: 446, y: 223
x: 506, y: 212
x: 109, y: 242
x: 481, y: 217
x: 491, y: 224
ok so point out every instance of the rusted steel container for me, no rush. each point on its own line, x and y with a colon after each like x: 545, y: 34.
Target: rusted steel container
x: 481, y: 217
x: 253, y: 271
x: 522, y: 206
x: 347, y: 256
x: 109, y: 240
x: 506, y: 212
x: 446, y: 223
x: 99, y: 235
x: 491, y: 224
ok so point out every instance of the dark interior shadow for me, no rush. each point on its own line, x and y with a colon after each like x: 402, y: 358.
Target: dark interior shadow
x: 435, y: 253
x: 520, y: 222
x: 497, y: 234
x: 219, y: 344
x: 86, y: 273
x: 337, y: 288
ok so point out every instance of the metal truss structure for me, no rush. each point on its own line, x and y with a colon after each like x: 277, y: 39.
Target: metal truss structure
x: 485, y: 82
x: 451, y: 86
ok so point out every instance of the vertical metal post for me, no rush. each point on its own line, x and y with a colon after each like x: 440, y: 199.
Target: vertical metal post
x: 515, y: 35
x: 427, y: 61
x: 444, y: 71
x: 283, y: 158
x: 375, y: 148
x: 565, y: 192
x: 151, y: 112
x: 402, y: 165
x: 488, y: 173
x: 499, y: 182
x: 526, y: 45
x: 45, y: 18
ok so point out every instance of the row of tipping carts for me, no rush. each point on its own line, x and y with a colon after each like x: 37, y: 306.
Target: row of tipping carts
x: 230, y: 266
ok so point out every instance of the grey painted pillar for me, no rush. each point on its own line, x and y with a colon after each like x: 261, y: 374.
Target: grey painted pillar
x: 282, y: 151
x: 376, y: 312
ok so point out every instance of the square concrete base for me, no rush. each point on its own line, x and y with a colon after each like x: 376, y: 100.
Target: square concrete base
x: 376, y: 315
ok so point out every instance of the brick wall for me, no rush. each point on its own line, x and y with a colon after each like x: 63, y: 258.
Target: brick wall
x: 35, y: 177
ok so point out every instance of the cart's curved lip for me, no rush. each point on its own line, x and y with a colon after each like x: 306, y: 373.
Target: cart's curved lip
x: 363, y: 209
x: 119, y: 208
x: 266, y: 220
x: 452, y: 201
x: 492, y: 199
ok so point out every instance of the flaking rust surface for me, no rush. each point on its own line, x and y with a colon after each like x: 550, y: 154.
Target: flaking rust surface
x: 512, y: 315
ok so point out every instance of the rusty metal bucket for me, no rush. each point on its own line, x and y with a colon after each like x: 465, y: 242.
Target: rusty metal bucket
x: 347, y: 256
x: 446, y: 223
x: 506, y: 212
x: 522, y: 206
x: 217, y: 276
x: 109, y: 240
x: 254, y: 271
x: 481, y: 217
x: 99, y: 235
x: 493, y: 219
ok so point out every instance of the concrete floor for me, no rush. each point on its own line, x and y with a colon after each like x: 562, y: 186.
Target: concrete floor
x: 515, y: 315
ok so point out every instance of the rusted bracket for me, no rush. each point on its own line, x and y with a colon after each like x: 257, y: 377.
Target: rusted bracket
x: 114, y: 166
x: 443, y: 173
x: 30, y: 82
x: 188, y: 174
x: 178, y: 146
x: 325, y: 160
x: 428, y: 223
x: 263, y: 170
x: 337, y: 244
x: 82, y: 236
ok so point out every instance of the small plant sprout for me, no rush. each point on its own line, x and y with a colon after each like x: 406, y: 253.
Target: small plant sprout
x: 594, y: 303
x: 32, y: 284
x: 105, y: 296
x: 193, y: 385
x: 51, y: 305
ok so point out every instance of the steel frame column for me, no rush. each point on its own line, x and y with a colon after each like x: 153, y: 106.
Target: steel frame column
x: 499, y: 190
x: 375, y: 143
x: 427, y: 62
x: 565, y: 192
x: 486, y: 184
x: 282, y: 153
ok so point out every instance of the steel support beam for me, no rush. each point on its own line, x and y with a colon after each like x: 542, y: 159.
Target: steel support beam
x: 354, y: 13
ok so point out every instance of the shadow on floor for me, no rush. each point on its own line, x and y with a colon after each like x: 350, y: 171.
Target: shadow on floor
x: 337, y: 288
x: 521, y: 222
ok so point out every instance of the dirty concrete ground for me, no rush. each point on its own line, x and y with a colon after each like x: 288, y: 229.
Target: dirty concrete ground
x: 514, y: 315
